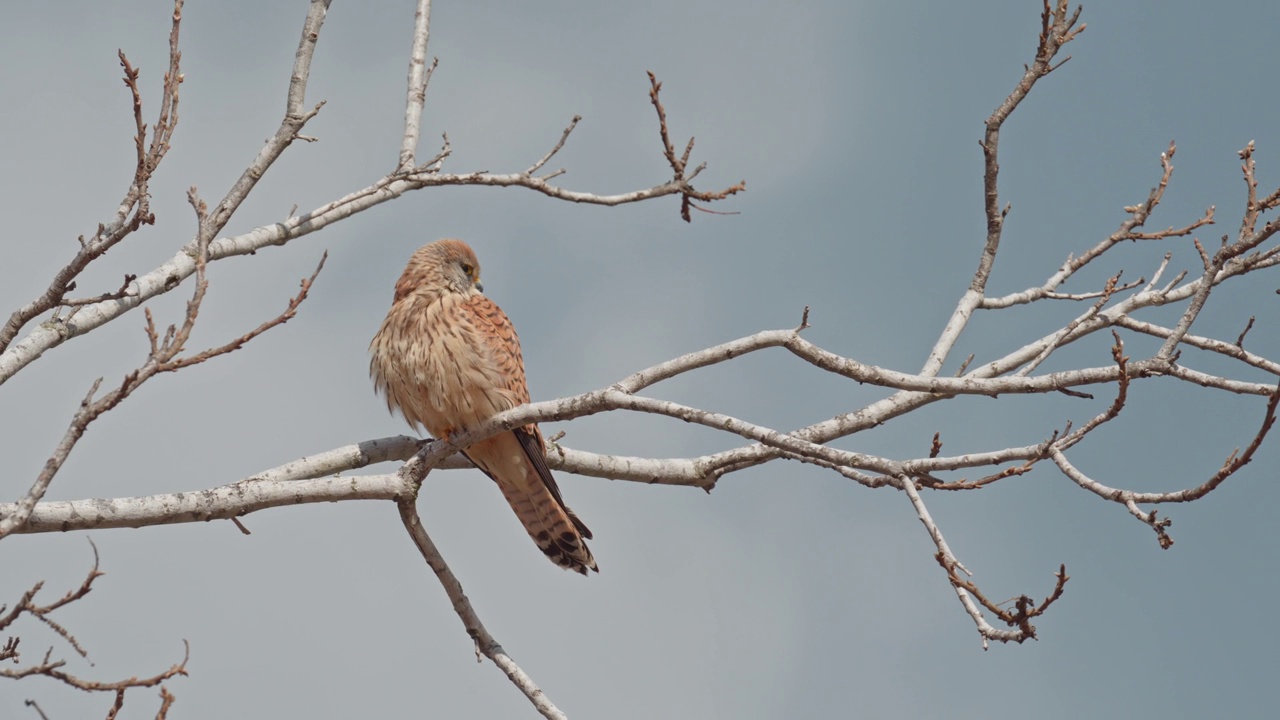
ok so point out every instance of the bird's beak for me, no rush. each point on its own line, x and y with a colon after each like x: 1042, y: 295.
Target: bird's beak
x: 480, y: 286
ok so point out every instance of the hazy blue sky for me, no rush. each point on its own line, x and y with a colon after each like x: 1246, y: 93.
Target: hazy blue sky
x: 787, y: 592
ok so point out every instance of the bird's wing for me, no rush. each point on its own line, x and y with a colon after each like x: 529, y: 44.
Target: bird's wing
x: 516, y: 460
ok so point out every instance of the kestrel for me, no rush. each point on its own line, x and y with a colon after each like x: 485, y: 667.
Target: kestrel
x: 448, y: 359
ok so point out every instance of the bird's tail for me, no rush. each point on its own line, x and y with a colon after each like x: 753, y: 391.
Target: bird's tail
x: 556, y: 530
x: 516, y: 463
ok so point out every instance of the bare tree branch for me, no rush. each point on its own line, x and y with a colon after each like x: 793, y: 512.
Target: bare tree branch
x: 1057, y: 30
x: 1129, y: 499
x: 135, y: 209
x: 485, y: 643
x: 164, y: 356
x: 169, y: 275
x: 53, y: 669
x: 1011, y: 371
x: 564, y: 137
x: 49, y: 667
x: 296, y: 116
x: 307, y: 480
x: 419, y: 76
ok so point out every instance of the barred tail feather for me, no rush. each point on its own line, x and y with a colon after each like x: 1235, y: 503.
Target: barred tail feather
x: 516, y: 462
x: 552, y: 527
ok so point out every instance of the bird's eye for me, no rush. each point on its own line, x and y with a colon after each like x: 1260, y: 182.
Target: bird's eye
x: 469, y: 269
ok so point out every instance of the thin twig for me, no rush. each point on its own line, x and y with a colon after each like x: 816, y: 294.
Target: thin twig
x: 49, y: 667
x: 564, y: 136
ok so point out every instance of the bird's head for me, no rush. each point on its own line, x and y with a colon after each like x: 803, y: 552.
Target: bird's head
x: 438, y: 268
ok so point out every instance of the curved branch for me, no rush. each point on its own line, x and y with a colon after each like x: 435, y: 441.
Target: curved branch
x: 169, y: 275
x: 949, y: 561
x: 1057, y: 30
x: 485, y: 643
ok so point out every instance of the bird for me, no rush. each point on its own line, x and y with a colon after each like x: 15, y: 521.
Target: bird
x: 448, y: 358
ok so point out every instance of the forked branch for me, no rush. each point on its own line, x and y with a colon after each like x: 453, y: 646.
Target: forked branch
x: 15, y: 668
x: 134, y: 210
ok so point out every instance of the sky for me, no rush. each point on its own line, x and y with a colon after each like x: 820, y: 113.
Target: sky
x: 786, y: 592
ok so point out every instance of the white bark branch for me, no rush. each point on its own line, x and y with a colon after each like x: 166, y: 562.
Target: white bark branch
x: 312, y: 479
x: 169, y: 275
x: 303, y: 481
x: 417, y: 92
x: 12, y: 518
x: 485, y: 642
x: 985, y: 629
